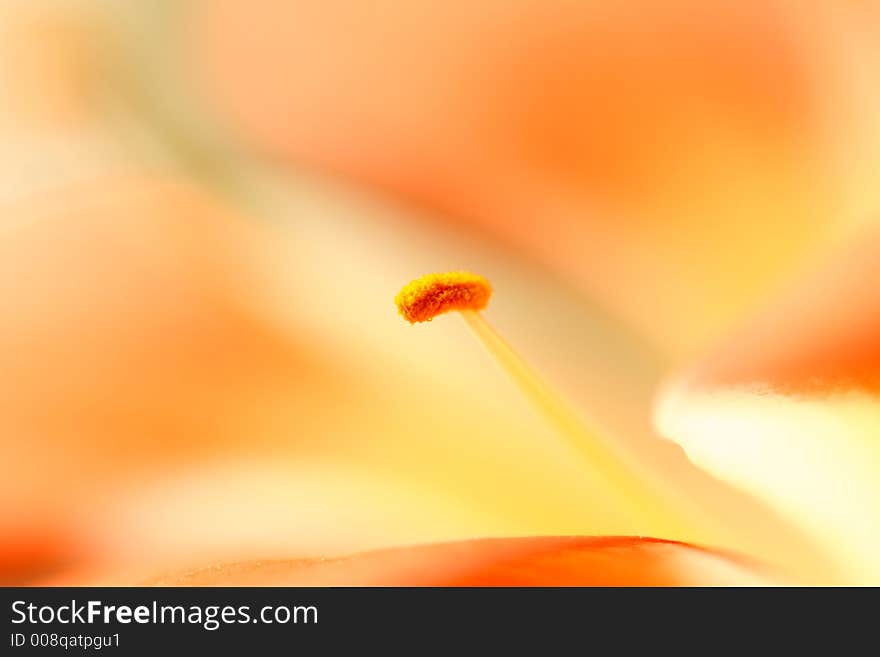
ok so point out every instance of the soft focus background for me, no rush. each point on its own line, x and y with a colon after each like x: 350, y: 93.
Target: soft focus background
x: 207, y: 208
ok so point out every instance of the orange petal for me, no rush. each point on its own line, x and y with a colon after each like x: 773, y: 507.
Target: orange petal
x: 790, y: 409
x: 533, y: 561
x: 33, y: 550
x: 124, y: 332
x: 637, y: 147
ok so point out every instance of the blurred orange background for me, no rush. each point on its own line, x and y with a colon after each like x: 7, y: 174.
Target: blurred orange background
x: 207, y: 208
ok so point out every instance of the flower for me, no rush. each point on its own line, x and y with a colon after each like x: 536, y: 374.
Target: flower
x: 201, y: 366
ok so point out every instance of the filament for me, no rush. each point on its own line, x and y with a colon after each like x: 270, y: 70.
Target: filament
x: 641, y: 499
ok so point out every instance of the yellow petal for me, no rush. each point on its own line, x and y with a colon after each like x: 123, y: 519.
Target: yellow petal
x: 790, y: 409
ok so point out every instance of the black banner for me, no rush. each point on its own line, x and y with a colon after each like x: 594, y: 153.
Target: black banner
x: 132, y: 621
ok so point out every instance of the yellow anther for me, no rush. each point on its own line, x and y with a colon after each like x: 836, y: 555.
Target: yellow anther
x: 424, y: 298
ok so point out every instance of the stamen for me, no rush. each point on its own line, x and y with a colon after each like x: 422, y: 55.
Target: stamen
x: 467, y: 293
x: 424, y: 298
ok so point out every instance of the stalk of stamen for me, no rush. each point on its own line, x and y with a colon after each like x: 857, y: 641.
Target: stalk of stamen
x: 638, y: 496
x: 467, y: 293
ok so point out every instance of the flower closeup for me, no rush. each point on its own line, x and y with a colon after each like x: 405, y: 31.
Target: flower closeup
x: 673, y: 207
